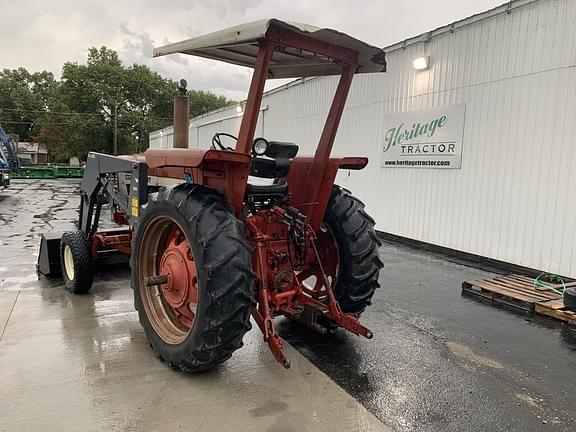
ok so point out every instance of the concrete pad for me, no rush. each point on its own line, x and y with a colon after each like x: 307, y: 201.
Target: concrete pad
x: 70, y: 363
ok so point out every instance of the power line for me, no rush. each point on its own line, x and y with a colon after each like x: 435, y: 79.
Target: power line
x: 70, y: 113
x: 40, y: 123
x: 48, y: 112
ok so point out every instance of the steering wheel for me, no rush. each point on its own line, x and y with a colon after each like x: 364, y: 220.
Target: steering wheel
x: 217, y: 142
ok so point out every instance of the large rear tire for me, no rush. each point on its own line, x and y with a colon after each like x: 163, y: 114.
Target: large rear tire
x: 196, y: 319
x: 360, y: 264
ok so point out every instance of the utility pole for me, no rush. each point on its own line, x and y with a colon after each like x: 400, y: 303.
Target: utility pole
x: 115, y: 130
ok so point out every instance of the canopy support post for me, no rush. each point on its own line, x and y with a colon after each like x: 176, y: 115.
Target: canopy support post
x: 252, y: 109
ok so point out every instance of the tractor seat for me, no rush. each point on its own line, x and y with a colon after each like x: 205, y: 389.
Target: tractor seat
x: 267, y: 191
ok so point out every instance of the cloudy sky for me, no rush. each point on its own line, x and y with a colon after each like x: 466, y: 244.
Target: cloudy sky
x: 43, y: 34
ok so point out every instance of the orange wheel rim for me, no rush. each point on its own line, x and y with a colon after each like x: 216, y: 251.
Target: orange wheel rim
x: 171, y: 306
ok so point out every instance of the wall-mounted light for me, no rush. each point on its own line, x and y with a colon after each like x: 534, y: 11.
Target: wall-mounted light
x: 421, y: 63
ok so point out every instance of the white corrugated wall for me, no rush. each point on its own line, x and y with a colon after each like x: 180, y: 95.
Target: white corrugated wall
x: 513, y: 198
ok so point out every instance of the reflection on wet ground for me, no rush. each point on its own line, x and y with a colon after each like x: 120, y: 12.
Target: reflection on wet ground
x: 27, y: 210
x: 438, y: 361
x: 82, y: 363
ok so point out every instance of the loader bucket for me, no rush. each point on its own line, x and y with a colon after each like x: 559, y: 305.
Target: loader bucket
x: 49, y: 256
x: 49, y: 263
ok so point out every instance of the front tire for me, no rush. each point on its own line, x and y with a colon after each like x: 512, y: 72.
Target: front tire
x: 198, y: 317
x: 76, y: 261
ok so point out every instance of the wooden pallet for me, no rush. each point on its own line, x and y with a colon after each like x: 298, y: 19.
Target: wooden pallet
x: 518, y: 291
x: 556, y: 309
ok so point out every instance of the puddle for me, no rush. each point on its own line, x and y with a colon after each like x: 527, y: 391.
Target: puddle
x: 466, y: 354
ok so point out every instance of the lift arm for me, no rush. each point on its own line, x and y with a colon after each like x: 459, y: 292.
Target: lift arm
x: 99, y: 181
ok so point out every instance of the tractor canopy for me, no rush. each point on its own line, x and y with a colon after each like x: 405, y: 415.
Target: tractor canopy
x: 240, y: 45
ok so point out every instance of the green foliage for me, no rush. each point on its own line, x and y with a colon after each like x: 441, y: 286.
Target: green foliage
x: 23, y: 97
x: 76, y: 114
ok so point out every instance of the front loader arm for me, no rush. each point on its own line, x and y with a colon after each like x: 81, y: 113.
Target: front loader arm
x: 98, y: 180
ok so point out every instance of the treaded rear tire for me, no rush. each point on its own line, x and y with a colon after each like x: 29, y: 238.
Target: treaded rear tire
x: 82, y: 261
x: 358, y: 246
x: 225, y: 278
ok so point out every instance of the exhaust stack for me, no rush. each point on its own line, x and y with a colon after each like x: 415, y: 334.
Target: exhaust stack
x: 181, y: 116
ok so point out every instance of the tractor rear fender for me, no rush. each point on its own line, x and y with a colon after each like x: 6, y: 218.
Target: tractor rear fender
x: 299, y: 177
x: 225, y: 171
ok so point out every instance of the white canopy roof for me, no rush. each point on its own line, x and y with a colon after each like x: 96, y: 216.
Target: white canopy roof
x: 239, y: 45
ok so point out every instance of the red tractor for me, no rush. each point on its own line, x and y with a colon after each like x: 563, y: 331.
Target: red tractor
x: 216, y: 249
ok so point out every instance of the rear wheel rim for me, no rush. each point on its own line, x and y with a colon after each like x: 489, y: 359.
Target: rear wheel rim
x: 171, y: 307
x: 69, y: 263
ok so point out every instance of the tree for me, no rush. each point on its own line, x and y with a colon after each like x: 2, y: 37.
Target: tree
x: 95, y: 89
x: 141, y: 99
x: 23, y: 98
x: 77, y: 114
x: 149, y: 103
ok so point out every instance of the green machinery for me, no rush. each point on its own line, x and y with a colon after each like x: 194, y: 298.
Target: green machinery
x: 49, y: 171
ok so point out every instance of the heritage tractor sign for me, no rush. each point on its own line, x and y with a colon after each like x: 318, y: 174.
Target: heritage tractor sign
x: 424, y: 139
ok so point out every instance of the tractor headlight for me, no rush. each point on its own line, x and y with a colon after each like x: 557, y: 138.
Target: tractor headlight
x: 260, y: 146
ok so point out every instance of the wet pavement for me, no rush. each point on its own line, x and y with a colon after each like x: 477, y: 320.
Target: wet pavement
x: 438, y: 361
x: 81, y: 363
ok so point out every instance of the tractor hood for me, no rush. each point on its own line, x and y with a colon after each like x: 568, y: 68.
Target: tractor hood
x: 239, y: 45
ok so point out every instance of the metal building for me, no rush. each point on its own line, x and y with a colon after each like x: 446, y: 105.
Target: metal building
x: 503, y: 186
